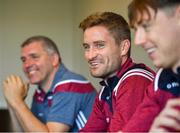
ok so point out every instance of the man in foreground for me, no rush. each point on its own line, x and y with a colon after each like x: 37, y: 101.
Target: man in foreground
x: 157, y: 30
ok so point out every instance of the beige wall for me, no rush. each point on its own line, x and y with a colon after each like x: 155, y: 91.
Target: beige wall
x: 57, y: 19
x: 1, y: 41
x: 25, y: 18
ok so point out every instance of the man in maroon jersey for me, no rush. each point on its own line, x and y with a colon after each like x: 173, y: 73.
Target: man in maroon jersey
x: 107, y: 45
x: 157, y: 30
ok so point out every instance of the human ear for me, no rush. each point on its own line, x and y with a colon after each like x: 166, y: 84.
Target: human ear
x: 125, y: 46
x: 55, y: 60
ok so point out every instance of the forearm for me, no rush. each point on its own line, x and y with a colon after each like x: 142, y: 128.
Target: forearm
x: 169, y: 118
x: 15, y: 125
x: 27, y: 120
x: 15, y: 91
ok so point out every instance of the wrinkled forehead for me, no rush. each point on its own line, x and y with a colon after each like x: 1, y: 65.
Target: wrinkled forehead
x: 35, y: 46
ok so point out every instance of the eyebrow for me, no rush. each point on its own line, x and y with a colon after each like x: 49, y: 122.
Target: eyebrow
x: 95, y: 42
x: 99, y: 41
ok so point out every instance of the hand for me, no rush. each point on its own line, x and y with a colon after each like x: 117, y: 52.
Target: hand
x: 15, y: 90
x: 169, y: 118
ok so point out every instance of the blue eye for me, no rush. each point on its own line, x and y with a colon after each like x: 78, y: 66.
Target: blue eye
x: 100, y: 45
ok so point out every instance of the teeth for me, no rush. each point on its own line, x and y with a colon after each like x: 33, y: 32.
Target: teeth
x: 32, y: 72
x: 93, y: 64
x: 151, y: 50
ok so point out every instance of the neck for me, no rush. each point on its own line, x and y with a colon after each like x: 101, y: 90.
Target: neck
x: 46, y: 84
x: 176, y: 68
x: 124, y: 59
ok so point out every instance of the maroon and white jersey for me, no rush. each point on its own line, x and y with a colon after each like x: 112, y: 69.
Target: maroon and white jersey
x: 165, y: 86
x: 119, y: 97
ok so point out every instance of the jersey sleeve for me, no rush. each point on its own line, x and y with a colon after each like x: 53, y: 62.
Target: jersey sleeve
x: 129, y: 95
x: 97, y: 120
x: 145, y: 113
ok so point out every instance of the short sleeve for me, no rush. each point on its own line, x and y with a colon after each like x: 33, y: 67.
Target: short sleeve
x: 64, y: 108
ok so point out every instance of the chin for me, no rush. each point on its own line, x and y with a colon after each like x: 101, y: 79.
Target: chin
x: 34, y: 81
x: 158, y: 65
x: 96, y: 76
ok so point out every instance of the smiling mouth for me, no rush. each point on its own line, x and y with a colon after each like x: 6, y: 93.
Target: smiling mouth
x: 93, y: 64
x: 150, y: 50
x: 31, y: 72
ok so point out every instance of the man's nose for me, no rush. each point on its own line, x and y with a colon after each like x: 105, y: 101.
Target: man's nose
x: 28, y: 63
x: 140, y: 37
x: 91, y: 53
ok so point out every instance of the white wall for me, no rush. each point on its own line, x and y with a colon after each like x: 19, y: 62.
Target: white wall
x: 1, y: 42
x: 25, y: 18
x: 57, y: 19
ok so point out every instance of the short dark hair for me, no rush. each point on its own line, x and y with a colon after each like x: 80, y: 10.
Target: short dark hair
x: 139, y: 6
x: 115, y: 24
x: 47, y: 44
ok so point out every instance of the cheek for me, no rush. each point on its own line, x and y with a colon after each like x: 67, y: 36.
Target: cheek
x: 86, y: 55
x: 115, y: 54
x: 117, y: 58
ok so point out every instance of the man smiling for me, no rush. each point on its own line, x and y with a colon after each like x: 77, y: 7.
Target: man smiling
x: 157, y: 30
x: 63, y: 100
x: 107, y: 50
